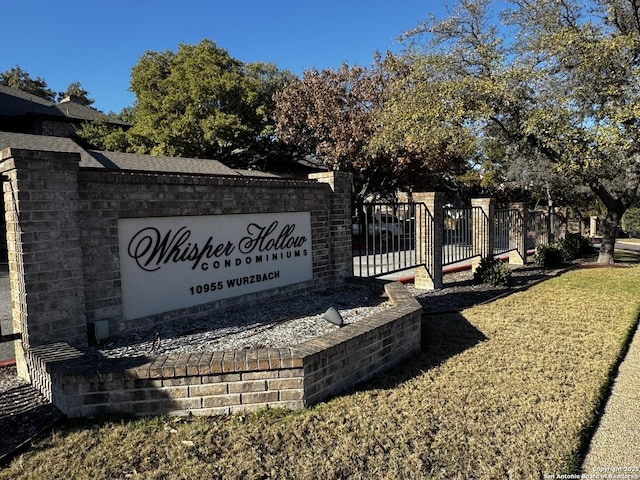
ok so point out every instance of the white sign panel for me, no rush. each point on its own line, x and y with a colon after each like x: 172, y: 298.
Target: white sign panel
x: 168, y: 263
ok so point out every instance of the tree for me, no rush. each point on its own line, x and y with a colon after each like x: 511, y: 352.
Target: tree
x: 80, y: 94
x: 557, y: 85
x: 328, y: 114
x: 631, y: 222
x: 333, y: 114
x: 201, y: 102
x: 101, y: 134
x: 21, y: 80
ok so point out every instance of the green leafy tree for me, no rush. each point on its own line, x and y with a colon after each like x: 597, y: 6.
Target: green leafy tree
x: 21, y: 80
x: 631, y: 222
x: 102, y: 134
x: 551, y: 96
x: 201, y: 102
x: 80, y: 94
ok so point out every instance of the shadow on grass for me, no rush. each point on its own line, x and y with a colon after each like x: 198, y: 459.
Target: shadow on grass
x: 456, y: 296
x: 26, y: 415
x: 627, y: 256
x: 444, y: 336
x: 445, y: 331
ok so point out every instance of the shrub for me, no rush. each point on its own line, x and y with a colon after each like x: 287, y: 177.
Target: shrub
x: 491, y: 270
x: 575, y: 245
x: 550, y: 255
x: 631, y: 222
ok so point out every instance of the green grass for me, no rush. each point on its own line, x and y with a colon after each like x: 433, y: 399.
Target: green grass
x: 509, y: 389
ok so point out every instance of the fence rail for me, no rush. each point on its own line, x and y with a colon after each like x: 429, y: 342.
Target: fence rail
x: 392, y: 237
x: 460, y: 233
x: 506, y: 223
x: 384, y: 237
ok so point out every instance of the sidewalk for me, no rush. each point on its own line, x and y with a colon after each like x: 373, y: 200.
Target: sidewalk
x: 614, y: 451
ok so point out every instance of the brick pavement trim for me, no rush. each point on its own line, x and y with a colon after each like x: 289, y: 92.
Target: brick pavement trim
x: 213, y: 383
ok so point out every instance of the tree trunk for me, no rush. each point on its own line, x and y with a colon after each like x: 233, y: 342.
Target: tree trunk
x: 609, y: 234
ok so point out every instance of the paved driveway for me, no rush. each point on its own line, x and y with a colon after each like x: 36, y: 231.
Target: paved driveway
x: 6, y: 349
x: 628, y: 245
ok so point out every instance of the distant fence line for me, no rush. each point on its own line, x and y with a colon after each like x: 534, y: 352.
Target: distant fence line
x: 428, y: 234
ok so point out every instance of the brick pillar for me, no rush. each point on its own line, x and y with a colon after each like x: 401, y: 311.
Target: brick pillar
x: 43, y: 242
x: 593, y: 226
x: 340, y: 247
x: 429, y: 232
x: 518, y: 233
x: 561, y: 216
x: 483, y: 230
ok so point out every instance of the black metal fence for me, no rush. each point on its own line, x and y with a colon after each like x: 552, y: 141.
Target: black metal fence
x: 507, y: 226
x: 384, y: 237
x: 544, y: 226
x: 462, y: 229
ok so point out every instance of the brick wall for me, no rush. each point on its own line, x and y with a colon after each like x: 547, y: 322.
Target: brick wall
x: 107, y: 196
x: 214, y: 383
x: 483, y: 230
x: 62, y: 226
x: 55, y: 128
x: 44, y: 252
x: 63, y: 237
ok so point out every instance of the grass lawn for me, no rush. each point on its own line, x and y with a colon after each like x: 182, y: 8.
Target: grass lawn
x: 509, y: 389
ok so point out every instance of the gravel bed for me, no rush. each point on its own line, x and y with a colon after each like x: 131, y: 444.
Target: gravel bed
x: 297, y: 319
x: 271, y: 325
x: 460, y: 291
x: 300, y: 318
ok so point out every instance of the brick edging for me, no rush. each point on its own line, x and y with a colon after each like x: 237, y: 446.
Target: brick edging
x: 209, y: 383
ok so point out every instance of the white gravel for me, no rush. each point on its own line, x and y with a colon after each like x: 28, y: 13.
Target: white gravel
x: 272, y: 325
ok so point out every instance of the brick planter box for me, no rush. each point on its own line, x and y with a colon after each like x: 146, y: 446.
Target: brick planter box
x: 214, y: 383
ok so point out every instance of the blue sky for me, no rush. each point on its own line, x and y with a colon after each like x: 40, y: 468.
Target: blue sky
x: 96, y: 42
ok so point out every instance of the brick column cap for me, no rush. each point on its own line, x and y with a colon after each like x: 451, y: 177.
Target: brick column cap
x: 23, y: 156
x: 12, y: 152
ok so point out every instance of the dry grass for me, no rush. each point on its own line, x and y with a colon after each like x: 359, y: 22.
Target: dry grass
x: 505, y: 390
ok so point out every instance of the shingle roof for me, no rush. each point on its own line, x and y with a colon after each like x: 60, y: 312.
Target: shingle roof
x: 116, y: 160
x: 255, y: 173
x: 155, y: 163
x: 71, y: 109
x: 39, y: 142
x: 16, y: 103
